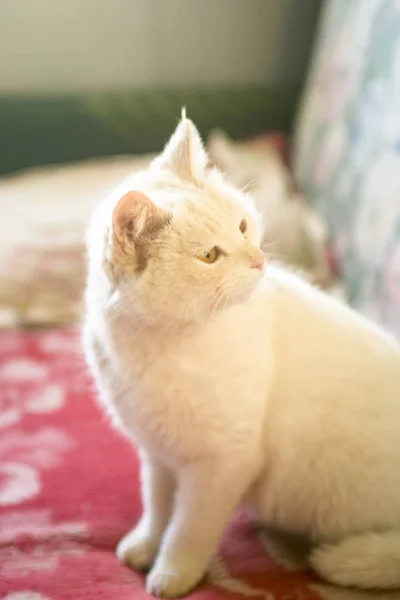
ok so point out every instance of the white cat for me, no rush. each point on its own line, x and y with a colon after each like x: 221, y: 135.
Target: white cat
x: 240, y: 383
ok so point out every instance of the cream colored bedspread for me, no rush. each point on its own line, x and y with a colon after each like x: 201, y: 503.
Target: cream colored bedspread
x: 43, y: 216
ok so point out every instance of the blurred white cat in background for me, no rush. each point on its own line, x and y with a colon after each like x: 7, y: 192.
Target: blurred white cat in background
x: 294, y: 232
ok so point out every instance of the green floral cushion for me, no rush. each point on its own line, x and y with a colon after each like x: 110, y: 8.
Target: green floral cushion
x: 347, y: 147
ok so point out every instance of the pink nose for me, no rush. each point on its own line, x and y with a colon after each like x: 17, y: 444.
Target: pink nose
x: 258, y: 264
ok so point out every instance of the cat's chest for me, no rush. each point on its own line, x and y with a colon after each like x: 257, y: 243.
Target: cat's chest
x: 195, y: 393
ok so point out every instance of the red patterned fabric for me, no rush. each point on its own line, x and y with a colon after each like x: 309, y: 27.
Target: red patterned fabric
x: 69, y: 491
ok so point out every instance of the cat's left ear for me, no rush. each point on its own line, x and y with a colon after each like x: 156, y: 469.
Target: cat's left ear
x: 184, y: 154
x: 136, y: 216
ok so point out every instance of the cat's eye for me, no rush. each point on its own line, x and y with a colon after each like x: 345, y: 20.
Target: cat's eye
x: 243, y: 226
x: 210, y: 256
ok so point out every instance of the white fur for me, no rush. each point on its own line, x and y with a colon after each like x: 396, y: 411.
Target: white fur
x: 276, y: 396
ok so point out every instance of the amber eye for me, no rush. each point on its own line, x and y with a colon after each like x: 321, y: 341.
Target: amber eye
x: 243, y: 226
x: 210, y: 256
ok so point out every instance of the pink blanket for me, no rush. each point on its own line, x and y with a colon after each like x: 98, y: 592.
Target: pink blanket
x: 69, y: 491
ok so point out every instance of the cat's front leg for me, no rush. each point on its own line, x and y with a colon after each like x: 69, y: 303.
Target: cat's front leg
x: 139, y: 547
x: 207, y: 494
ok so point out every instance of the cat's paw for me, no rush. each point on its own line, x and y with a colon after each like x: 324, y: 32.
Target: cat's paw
x: 165, y: 581
x: 137, y: 550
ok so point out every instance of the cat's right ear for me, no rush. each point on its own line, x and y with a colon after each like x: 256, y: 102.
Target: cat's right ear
x: 184, y: 154
x: 136, y: 216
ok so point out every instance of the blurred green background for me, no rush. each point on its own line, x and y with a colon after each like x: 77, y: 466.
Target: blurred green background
x: 91, y: 77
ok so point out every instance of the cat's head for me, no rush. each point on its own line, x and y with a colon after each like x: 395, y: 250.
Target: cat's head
x: 183, y: 243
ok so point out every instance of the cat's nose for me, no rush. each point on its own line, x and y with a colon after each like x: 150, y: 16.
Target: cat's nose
x: 257, y: 262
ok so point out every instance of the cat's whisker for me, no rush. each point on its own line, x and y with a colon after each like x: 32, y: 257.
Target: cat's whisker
x: 250, y: 184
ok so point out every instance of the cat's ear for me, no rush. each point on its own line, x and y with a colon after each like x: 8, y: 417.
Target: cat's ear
x: 184, y: 154
x: 135, y: 216
x: 221, y: 150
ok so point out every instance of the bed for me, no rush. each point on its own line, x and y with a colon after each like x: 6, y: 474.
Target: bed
x: 69, y: 490
x: 69, y: 485
x: 68, y: 482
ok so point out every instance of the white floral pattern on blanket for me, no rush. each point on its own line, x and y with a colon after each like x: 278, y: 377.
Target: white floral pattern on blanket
x: 22, y: 458
x: 25, y: 595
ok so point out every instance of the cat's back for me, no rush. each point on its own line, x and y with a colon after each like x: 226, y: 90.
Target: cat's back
x: 332, y: 367
x: 337, y: 375
x: 333, y: 424
x: 306, y: 318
